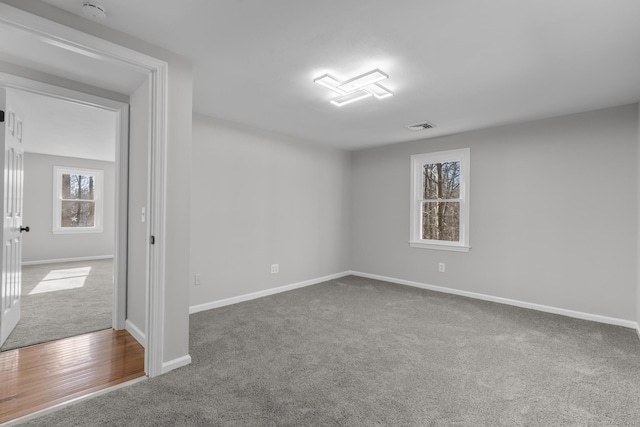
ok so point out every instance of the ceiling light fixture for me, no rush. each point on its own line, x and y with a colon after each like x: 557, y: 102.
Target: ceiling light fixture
x: 378, y: 91
x: 352, y: 97
x: 363, y: 80
x: 356, y: 88
x: 330, y: 83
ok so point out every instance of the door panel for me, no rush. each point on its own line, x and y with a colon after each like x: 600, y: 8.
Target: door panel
x: 13, y: 162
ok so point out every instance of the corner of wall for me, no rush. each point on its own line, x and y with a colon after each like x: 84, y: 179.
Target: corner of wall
x: 136, y: 333
x: 176, y: 363
x: 638, y: 228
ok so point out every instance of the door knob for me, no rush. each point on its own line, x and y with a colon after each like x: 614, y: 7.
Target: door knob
x: 24, y: 229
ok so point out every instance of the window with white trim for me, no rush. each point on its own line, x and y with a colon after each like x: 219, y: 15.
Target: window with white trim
x: 440, y: 200
x: 77, y: 200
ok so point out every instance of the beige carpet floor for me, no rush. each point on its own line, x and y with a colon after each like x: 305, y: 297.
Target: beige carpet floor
x: 63, y: 300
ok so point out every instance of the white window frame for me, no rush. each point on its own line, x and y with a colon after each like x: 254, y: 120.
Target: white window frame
x: 417, y: 161
x: 58, y: 171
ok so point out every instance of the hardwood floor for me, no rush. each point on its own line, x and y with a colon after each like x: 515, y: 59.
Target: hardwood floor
x: 45, y: 375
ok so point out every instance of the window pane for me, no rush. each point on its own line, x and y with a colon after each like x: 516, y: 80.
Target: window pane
x: 77, y: 214
x: 79, y: 187
x: 441, y: 221
x: 441, y: 180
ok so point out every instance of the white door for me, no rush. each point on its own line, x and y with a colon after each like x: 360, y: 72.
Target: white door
x: 11, y: 187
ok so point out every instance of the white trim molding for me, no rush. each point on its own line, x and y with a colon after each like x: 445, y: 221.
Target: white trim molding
x: 440, y: 247
x: 254, y: 295
x: 507, y: 301
x: 176, y: 363
x: 158, y: 80
x: 56, y: 261
x: 136, y: 333
x: 121, y: 245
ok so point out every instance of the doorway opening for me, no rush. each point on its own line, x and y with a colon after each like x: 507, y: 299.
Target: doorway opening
x: 75, y: 247
x: 42, y: 51
x: 69, y: 195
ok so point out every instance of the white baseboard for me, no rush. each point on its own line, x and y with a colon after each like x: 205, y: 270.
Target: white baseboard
x: 500, y: 300
x: 136, y: 333
x: 247, y: 297
x: 175, y: 363
x: 638, y: 330
x: 55, y: 261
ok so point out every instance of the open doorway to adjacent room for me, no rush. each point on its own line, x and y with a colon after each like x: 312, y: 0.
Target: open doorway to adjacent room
x: 69, y: 209
x: 49, y: 58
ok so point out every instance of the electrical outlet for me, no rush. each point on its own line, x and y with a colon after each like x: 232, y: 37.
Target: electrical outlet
x: 274, y: 268
x: 196, y: 280
x: 441, y: 267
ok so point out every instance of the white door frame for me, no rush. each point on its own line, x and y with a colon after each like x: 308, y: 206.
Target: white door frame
x: 85, y: 44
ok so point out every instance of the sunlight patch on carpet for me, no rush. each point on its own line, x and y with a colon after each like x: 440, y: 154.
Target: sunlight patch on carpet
x: 61, y: 280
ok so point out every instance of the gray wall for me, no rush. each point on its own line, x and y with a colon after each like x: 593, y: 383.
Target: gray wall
x: 40, y: 244
x: 261, y: 199
x: 178, y: 167
x: 138, y: 244
x: 553, y: 213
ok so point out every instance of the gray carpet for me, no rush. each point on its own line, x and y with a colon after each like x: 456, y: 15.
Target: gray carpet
x: 50, y: 312
x: 359, y: 352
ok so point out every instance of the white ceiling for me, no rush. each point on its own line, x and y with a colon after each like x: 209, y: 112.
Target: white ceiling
x: 63, y: 128
x: 460, y: 65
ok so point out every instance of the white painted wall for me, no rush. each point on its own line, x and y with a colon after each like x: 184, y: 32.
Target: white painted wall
x: 178, y: 168
x: 138, y: 244
x: 554, y: 214
x: 260, y: 199
x: 40, y: 244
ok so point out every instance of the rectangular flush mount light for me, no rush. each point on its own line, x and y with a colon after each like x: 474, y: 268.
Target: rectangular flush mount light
x: 352, y: 97
x: 378, y: 91
x: 362, y: 80
x: 360, y: 87
x: 330, y: 83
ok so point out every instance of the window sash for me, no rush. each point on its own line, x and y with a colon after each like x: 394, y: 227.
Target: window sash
x: 84, y: 212
x: 435, y: 221
x: 59, y: 226
x: 418, y: 200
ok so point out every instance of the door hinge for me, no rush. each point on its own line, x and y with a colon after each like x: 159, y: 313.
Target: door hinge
x: 1, y: 116
x: 153, y: 240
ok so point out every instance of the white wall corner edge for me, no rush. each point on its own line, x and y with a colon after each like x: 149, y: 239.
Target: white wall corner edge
x: 523, y: 304
x: 247, y: 297
x: 176, y: 363
x: 136, y: 333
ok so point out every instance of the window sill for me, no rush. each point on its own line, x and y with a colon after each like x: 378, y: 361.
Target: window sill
x: 453, y: 248
x: 78, y: 231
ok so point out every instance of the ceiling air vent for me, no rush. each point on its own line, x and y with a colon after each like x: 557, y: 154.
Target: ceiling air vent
x: 420, y: 126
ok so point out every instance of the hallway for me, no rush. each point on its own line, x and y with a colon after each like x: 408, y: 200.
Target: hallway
x: 41, y: 376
